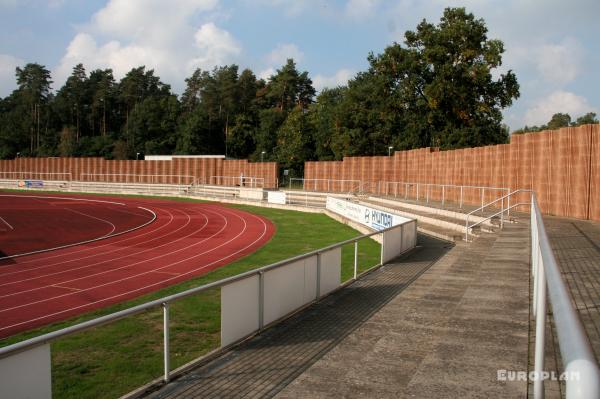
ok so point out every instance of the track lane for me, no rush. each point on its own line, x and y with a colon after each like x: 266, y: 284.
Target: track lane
x: 143, y: 267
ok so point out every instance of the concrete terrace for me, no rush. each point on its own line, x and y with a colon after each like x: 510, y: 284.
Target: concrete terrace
x: 438, y: 322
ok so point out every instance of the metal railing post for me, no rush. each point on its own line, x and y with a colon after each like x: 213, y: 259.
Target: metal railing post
x: 417, y: 192
x: 461, y: 197
x: 355, y: 258
x: 502, y: 214
x: 382, y: 248
x: 166, y: 354
x: 482, y: 196
x: 427, y: 190
x: 443, y: 194
x: 540, y: 327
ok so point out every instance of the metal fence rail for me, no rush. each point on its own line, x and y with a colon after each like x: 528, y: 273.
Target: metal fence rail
x: 401, y: 237
x: 581, y: 370
x: 431, y: 191
x: 505, y: 206
x: 325, y: 185
x: 242, y: 181
x: 137, y: 178
x: 59, y: 176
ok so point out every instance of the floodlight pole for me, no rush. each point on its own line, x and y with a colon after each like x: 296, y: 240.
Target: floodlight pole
x: 390, y: 151
x: 137, y: 155
x: 262, y: 156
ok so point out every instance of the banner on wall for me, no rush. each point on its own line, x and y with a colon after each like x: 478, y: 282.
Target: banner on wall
x: 373, y: 218
x: 30, y: 184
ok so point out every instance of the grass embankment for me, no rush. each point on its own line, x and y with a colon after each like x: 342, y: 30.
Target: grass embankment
x: 112, y: 360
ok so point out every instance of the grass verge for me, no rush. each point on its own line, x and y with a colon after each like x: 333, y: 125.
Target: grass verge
x: 111, y: 360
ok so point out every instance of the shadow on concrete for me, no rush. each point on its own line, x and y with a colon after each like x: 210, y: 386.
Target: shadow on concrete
x: 264, y: 365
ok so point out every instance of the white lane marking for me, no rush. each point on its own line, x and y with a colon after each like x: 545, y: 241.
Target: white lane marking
x: 97, y: 218
x: 86, y: 257
x: 142, y: 288
x: 6, y: 223
x: 86, y: 249
x: 103, y: 262
x: 85, y: 242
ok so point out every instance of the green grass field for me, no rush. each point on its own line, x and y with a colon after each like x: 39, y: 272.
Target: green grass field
x: 111, y: 360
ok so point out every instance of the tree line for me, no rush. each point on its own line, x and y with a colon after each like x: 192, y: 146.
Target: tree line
x: 434, y: 89
x: 559, y: 120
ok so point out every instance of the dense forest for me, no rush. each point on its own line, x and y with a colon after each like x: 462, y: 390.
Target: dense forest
x: 434, y: 89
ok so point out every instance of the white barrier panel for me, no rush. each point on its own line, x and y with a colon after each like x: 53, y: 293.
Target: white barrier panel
x: 289, y: 288
x: 409, y: 236
x: 239, y: 309
x: 252, y: 193
x: 331, y: 269
x: 398, y: 241
x: 276, y: 197
x: 370, y: 217
x: 26, y: 374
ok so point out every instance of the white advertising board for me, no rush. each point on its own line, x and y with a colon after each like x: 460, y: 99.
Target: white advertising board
x: 276, y: 197
x: 374, y: 218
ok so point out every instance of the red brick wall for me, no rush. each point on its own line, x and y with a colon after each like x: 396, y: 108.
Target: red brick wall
x: 199, y: 168
x: 562, y: 166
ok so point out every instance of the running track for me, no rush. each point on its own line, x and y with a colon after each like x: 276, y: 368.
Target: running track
x: 131, y: 247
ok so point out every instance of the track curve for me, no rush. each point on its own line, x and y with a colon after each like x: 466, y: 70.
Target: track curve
x: 184, y: 240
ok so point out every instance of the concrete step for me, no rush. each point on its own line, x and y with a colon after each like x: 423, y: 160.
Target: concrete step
x: 435, y: 209
x: 430, y: 218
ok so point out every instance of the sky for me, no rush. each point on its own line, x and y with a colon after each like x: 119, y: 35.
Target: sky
x: 552, y: 46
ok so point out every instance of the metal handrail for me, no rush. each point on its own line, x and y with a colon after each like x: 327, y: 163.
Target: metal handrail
x: 582, y: 373
x: 134, y: 177
x: 501, y: 212
x: 25, y: 173
x: 428, y: 187
x: 52, y: 336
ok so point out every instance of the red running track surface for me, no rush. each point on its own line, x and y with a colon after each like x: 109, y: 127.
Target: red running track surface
x: 135, y: 251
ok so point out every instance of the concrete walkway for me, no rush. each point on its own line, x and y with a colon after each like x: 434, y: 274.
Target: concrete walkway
x: 445, y: 336
x: 414, y: 328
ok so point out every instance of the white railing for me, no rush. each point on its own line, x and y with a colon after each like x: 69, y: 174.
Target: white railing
x: 59, y: 176
x: 425, y: 191
x: 249, y: 302
x: 581, y: 369
x: 326, y: 185
x: 241, y: 181
x: 137, y: 178
x: 505, y: 206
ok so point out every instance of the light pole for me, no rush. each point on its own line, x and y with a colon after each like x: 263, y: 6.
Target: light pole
x: 390, y: 151
x: 137, y: 155
x: 18, y: 154
x: 262, y: 156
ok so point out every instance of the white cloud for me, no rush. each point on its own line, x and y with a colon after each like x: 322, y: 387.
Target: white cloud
x: 148, y: 20
x: 8, y: 64
x: 216, y: 45
x: 340, y: 78
x: 361, y: 8
x: 282, y: 52
x: 558, y: 101
x: 160, y: 35
x: 560, y: 63
x: 266, y: 73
